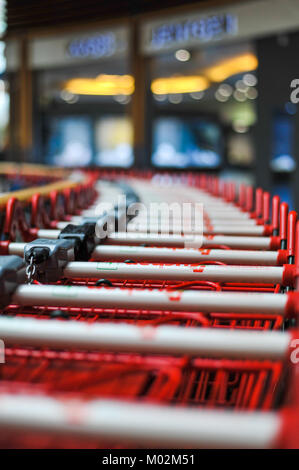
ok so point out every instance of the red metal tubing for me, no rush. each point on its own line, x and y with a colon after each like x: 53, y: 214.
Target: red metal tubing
x: 283, y: 225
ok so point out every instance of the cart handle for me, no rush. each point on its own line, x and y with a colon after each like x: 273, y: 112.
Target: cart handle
x: 283, y: 225
x: 291, y: 242
x: 275, y: 215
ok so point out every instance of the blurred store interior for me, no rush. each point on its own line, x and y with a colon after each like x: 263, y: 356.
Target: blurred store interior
x: 202, y: 85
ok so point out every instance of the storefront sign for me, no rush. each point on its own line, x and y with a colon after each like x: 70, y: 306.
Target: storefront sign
x: 75, y: 49
x: 98, y: 45
x: 201, y: 29
x: 235, y: 22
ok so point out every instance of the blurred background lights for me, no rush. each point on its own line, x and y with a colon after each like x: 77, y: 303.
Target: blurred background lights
x: 179, y: 84
x: 101, y: 85
x: 240, y: 127
x: 249, y: 79
x: 225, y: 90
x: 290, y: 108
x: 182, y: 55
x: 228, y: 67
x: 283, y: 164
x: 251, y: 93
x: 68, y: 97
x: 160, y: 97
x: 241, y: 86
x: 175, y: 98
x: 197, y: 95
x: 220, y: 97
x: 122, y: 99
x: 239, y: 96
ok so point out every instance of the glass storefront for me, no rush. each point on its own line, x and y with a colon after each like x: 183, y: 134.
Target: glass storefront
x: 206, y: 96
x: 204, y: 102
x: 82, y: 104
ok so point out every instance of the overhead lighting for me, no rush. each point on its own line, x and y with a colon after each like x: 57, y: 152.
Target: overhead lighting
x: 197, y: 95
x: 182, y: 55
x: 173, y: 85
x: 68, y: 97
x: 175, y: 98
x: 220, y: 97
x: 239, y: 96
x: 226, y: 68
x: 252, y: 93
x: 122, y: 99
x: 225, y: 90
x: 240, y: 126
x: 241, y: 86
x: 160, y: 97
x: 249, y: 79
x: 101, y: 85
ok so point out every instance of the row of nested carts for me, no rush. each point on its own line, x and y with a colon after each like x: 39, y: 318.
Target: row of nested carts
x: 124, y: 326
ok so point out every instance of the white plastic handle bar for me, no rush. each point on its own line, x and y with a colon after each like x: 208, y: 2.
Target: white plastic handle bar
x: 124, y: 337
x: 239, y: 242
x: 217, y: 217
x: 142, y: 424
x: 218, y: 214
x: 260, y: 260
x: 130, y: 238
x: 256, y: 230
x: 221, y: 218
x: 184, y: 255
x: 240, y: 274
x: 148, y: 299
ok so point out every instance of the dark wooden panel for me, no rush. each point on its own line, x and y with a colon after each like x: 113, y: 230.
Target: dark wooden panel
x: 24, y: 15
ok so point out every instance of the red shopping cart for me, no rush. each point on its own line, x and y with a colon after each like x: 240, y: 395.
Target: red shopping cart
x: 120, y: 360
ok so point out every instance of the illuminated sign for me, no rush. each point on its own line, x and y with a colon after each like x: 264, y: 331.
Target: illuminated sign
x: 203, y: 29
x: 99, y: 45
x: 61, y: 50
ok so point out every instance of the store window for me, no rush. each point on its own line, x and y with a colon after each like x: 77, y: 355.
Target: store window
x: 114, y: 141
x: 70, y: 141
x: 283, y: 134
x: 204, y: 101
x: 82, y: 104
x: 185, y: 143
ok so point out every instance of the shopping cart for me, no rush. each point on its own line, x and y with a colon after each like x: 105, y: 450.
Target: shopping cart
x: 130, y: 386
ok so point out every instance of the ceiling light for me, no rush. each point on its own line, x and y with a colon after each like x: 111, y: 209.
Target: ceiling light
x: 225, y: 90
x: 252, y: 93
x: 160, y: 97
x: 240, y: 127
x: 233, y: 66
x: 68, y: 97
x: 175, y: 98
x: 101, y: 85
x: 197, y: 95
x: 183, y: 84
x: 249, y: 79
x: 239, y: 96
x: 241, y: 86
x: 182, y: 55
x: 122, y: 99
x: 220, y: 97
